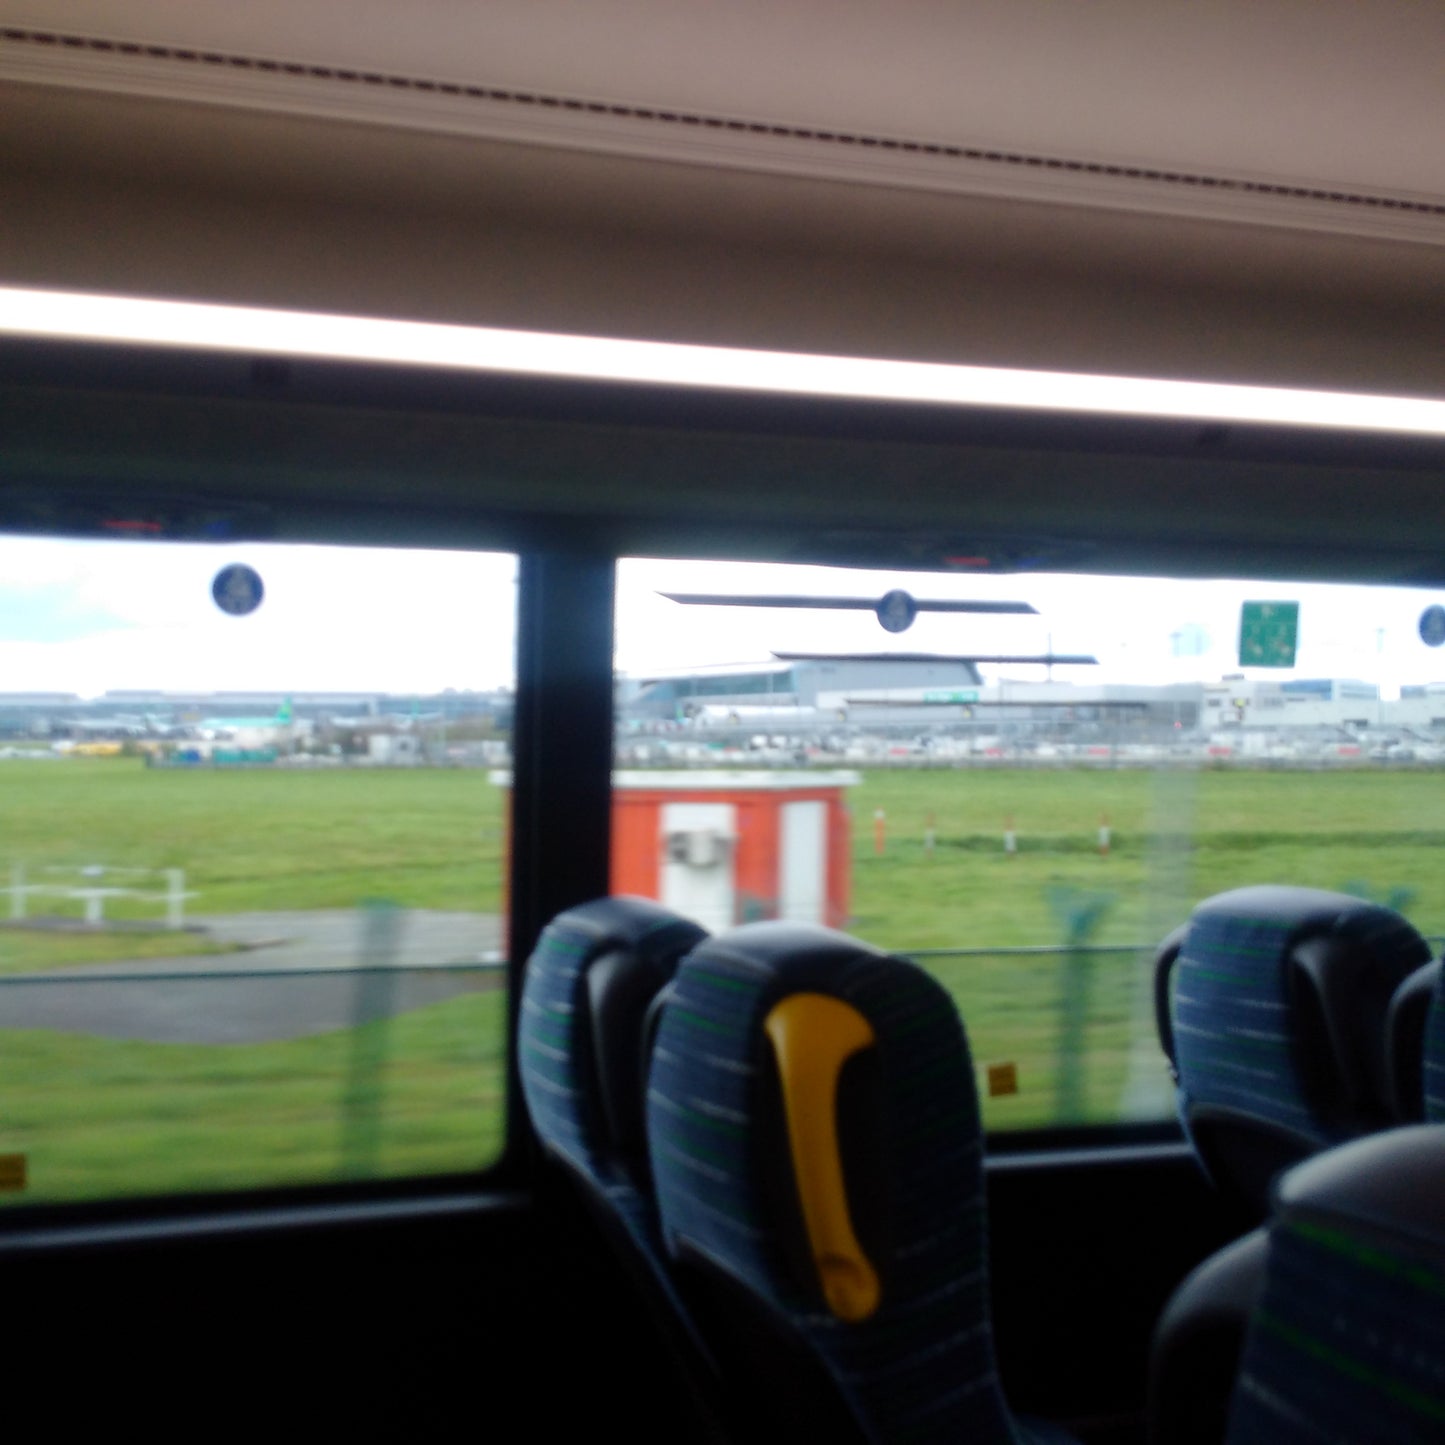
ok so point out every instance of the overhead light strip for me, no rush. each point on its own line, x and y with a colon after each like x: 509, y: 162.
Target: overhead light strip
x: 272, y: 333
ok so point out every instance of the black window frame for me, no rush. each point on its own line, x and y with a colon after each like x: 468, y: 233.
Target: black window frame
x: 92, y: 422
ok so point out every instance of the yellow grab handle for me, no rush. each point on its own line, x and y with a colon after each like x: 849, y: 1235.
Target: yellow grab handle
x: 813, y: 1036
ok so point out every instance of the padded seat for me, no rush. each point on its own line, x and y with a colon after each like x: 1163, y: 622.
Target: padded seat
x: 817, y: 1155
x: 1347, y: 1342
x: 593, y: 975
x: 589, y: 983
x: 1329, y: 1323
x: 1320, y: 964
x: 1276, y: 1027
x: 1195, y: 1354
x: 1416, y: 1032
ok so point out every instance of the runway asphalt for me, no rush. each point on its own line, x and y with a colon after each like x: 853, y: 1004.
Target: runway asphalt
x: 300, y: 973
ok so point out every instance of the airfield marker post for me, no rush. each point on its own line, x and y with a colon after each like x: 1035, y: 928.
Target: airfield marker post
x: 1104, y: 835
x: 928, y: 836
x: 1010, y: 838
x: 175, y: 898
x: 879, y: 824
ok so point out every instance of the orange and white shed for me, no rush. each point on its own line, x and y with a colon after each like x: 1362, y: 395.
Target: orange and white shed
x: 727, y: 847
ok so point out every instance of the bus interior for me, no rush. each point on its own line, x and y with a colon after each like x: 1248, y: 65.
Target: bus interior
x: 371, y: 384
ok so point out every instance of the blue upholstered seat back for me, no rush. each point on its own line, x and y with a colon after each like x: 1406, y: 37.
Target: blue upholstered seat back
x: 1347, y: 1342
x: 1415, y: 1033
x: 1434, y: 1067
x: 557, y: 1049
x: 922, y: 1367
x: 1246, y: 1044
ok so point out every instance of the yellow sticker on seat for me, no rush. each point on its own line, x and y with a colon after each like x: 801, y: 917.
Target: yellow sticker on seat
x: 12, y: 1172
x: 1003, y: 1079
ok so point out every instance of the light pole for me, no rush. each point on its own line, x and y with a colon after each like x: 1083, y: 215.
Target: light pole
x: 1380, y: 677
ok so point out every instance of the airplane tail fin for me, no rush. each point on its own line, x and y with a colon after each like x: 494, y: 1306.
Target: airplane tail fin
x: 283, y: 713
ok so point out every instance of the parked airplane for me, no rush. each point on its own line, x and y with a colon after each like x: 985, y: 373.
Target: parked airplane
x: 249, y: 731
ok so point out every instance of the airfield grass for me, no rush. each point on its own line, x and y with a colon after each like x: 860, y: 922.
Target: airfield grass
x: 263, y: 839
x: 99, y: 1117
x: 105, y: 1118
x: 35, y: 950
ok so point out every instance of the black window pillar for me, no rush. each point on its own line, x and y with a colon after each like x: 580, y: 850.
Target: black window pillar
x: 561, y: 742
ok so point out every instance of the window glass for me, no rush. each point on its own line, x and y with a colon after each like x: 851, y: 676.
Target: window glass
x: 1026, y: 829
x: 250, y: 890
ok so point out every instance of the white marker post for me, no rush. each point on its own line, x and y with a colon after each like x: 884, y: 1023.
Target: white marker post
x: 1010, y: 838
x: 175, y: 898
x: 94, y: 901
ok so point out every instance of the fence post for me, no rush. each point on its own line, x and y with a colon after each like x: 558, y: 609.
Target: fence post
x: 175, y: 898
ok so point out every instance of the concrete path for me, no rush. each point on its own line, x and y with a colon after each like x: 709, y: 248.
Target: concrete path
x: 302, y: 973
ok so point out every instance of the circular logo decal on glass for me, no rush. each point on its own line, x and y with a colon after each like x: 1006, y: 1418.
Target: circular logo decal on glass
x: 1432, y: 626
x: 237, y: 589
x: 896, y: 611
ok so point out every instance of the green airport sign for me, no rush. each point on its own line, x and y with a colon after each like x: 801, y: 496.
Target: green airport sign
x: 954, y: 695
x: 1268, y: 634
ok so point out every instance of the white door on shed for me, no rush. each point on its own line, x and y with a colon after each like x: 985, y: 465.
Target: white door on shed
x: 803, y: 887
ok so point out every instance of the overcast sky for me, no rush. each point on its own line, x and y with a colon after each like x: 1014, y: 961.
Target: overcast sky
x: 86, y: 617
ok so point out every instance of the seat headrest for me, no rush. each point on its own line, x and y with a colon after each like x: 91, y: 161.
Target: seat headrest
x: 1392, y: 1183
x: 588, y: 985
x: 1405, y: 1032
x: 815, y: 1138
x: 1346, y: 1340
x: 1433, y: 1055
x: 1277, y: 1025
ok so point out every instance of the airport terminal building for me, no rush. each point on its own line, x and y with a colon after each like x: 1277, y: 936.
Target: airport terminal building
x: 878, y: 694
x: 813, y: 685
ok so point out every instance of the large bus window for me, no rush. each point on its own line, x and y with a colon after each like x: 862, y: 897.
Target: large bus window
x: 1025, y: 801
x: 250, y: 890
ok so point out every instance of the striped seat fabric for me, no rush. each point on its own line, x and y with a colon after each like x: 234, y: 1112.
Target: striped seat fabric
x: 1347, y: 1343
x: 581, y: 1071
x: 1277, y: 1026
x: 1416, y: 1038
x: 1434, y: 1055
x: 920, y: 1367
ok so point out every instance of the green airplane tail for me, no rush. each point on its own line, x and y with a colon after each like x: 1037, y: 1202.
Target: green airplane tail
x: 283, y: 713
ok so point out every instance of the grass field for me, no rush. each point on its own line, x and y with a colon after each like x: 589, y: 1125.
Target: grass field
x: 1176, y: 838
x: 260, y: 839
x: 99, y: 1117
x: 29, y: 950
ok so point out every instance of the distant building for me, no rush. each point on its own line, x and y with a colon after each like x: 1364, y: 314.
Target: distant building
x: 1300, y: 702
x: 813, y: 686
x: 34, y: 714
x: 139, y: 712
x: 1329, y: 689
